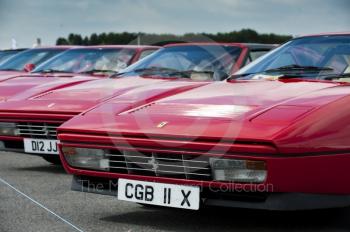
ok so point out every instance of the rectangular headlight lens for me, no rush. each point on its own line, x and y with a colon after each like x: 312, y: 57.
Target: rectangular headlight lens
x: 8, y: 129
x: 244, y: 171
x: 86, y: 158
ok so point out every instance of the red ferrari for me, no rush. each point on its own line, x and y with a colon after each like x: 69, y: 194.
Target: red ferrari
x: 95, y: 60
x: 273, y: 136
x: 28, y: 120
x: 25, y: 61
x: 83, y: 63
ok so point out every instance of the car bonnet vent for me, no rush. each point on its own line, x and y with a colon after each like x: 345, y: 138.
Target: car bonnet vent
x: 42, y: 95
x: 138, y: 109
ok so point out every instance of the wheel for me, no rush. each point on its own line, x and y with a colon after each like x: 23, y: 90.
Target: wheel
x: 53, y: 159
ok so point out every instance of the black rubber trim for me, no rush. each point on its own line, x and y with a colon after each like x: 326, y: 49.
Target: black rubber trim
x: 264, y: 201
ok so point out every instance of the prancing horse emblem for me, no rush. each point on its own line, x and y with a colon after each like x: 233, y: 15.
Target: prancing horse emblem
x: 162, y: 124
x: 154, y: 163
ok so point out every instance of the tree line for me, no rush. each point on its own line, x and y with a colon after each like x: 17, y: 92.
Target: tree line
x: 244, y: 36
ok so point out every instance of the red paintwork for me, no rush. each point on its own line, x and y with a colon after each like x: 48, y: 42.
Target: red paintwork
x: 74, y: 99
x: 78, y: 98
x: 68, y: 98
x: 26, y: 98
x: 300, y: 128
x: 5, y: 75
x: 27, y: 86
x: 13, y: 83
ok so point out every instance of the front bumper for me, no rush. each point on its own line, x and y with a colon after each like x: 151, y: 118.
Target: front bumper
x: 293, y: 182
x: 11, y: 143
x: 16, y: 144
x: 233, y: 199
x: 30, y: 129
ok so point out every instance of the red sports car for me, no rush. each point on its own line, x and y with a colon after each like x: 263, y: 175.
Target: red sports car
x: 83, y: 63
x: 273, y: 136
x: 97, y: 60
x: 194, y: 60
x: 26, y: 61
x: 28, y: 120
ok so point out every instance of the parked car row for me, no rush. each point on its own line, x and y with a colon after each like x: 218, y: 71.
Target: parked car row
x: 175, y: 67
x: 192, y: 124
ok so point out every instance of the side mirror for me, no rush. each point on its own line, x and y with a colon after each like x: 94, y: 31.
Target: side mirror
x: 29, y: 67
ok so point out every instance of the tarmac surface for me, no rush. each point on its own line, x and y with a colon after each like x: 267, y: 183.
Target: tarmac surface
x: 36, y: 196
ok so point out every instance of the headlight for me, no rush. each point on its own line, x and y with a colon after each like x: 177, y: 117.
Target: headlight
x: 8, y: 129
x: 244, y: 171
x: 86, y: 158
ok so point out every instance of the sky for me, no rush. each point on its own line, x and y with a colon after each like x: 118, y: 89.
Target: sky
x: 26, y: 20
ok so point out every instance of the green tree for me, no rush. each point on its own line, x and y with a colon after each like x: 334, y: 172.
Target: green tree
x: 94, y: 39
x: 61, y: 41
x: 244, y: 36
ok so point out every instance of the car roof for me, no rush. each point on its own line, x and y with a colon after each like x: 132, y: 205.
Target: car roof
x: 121, y: 46
x: 324, y: 34
x: 15, y: 50
x: 242, y: 45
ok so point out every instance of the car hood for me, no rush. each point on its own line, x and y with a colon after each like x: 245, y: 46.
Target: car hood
x: 246, y: 111
x: 6, y: 75
x: 80, y: 97
x: 13, y: 83
x: 25, y: 86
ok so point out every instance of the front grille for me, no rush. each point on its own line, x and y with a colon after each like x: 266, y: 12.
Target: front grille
x: 37, y: 130
x: 160, y: 164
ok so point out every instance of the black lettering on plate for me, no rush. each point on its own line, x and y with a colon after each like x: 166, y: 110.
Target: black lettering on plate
x: 185, y: 200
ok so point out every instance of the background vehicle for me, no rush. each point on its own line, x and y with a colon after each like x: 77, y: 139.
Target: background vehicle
x: 27, y: 60
x: 34, y: 115
x: 6, y: 54
x: 274, y: 136
x: 24, y: 62
x: 98, y: 61
x: 218, y: 60
x: 84, y: 64
x: 103, y: 60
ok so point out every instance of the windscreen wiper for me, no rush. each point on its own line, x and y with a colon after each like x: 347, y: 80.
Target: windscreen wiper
x: 295, y: 67
x: 148, y: 70
x: 167, y: 71
x: 155, y: 69
x: 51, y: 71
x: 144, y: 70
x: 187, y: 73
x: 292, y: 71
x: 336, y: 76
x: 171, y: 71
x: 9, y: 69
x: 98, y: 71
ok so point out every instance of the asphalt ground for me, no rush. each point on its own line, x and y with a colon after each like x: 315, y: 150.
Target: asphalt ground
x: 36, y: 196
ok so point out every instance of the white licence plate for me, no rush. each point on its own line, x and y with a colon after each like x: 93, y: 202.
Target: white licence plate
x: 41, y: 146
x: 170, y: 195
